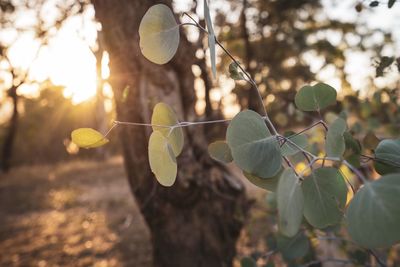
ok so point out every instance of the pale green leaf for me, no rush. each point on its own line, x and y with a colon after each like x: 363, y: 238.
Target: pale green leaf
x: 165, y: 115
x: 162, y: 159
x: 253, y: 147
x: 325, y: 194
x: 314, y: 98
x: 269, y: 184
x: 294, y: 247
x: 211, y: 37
x: 88, y: 138
x: 387, y: 156
x: 373, y: 216
x: 220, y: 151
x: 290, y: 203
x: 335, y: 143
x: 159, y: 34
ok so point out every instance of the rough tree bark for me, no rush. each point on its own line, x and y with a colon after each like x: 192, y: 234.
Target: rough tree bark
x: 197, y: 221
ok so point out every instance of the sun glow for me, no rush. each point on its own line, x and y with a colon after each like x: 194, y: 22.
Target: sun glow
x: 67, y: 60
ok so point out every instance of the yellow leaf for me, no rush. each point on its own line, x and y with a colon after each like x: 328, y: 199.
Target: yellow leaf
x: 162, y: 160
x: 164, y: 115
x: 88, y: 138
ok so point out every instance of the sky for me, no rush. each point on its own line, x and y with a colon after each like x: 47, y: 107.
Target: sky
x: 69, y: 61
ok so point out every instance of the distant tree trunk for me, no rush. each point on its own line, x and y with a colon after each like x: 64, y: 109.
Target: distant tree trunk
x: 197, y: 221
x: 11, y: 132
x: 207, y: 87
x: 253, y: 101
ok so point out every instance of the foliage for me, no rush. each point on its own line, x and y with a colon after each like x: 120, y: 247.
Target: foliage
x: 315, y: 98
x: 159, y: 34
x: 88, y: 138
x: 317, y: 192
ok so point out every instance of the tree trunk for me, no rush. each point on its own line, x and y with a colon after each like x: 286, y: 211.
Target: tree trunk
x: 197, y: 221
x: 11, y: 132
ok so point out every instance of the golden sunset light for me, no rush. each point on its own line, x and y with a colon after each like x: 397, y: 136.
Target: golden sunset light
x: 200, y: 133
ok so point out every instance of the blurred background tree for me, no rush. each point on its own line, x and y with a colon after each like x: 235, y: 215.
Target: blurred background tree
x: 28, y: 108
x: 283, y: 44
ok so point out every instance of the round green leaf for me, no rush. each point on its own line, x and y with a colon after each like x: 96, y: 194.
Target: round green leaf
x: 325, y: 195
x: 294, y: 247
x: 253, y: 147
x: 269, y: 184
x: 162, y: 159
x: 88, y: 138
x: 387, y: 156
x: 165, y: 115
x: 159, y: 34
x: 335, y: 144
x: 314, y: 98
x: 290, y: 203
x: 220, y: 151
x: 289, y: 149
x: 373, y: 216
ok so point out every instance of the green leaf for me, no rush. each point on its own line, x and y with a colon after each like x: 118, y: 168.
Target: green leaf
x: 295, y: 247
x: 159, y: 34
x: 220, y: 151
x: 325, y: 195
x: 314, y: 98
x: 335, y: 144
x: 211, y: 37
x: 353, y: 150
x: 391, y: 3
x: 290, y: 203
x: 269, y: 184
x: 253, y: 147
x: 162, y: 159
x: 352, y: 143
x: 247, y: 262
x: 373, y: 216
x: 387, y: 156
x: 234, y: 72
x: 165, y: 115
x: 289, y: 149
x: 88, y: 138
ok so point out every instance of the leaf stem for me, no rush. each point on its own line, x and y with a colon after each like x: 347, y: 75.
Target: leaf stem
x: 309, y: 128
x: 195, y: 22
x: 356, y: 171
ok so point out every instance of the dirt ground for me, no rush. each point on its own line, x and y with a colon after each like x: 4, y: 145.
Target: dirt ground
x: 79, y: 214
x: 71, y: 214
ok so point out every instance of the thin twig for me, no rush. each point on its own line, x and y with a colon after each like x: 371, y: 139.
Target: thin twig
x: 356, y: 171
x: 378, y: 260
x: 308, y: 128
